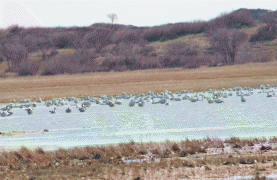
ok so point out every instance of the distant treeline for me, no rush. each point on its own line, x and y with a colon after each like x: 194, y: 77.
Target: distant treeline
x: 113, y: 47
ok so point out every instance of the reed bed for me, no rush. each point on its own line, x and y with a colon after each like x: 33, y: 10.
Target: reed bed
x: 177, y: 160
x: 111, y: 83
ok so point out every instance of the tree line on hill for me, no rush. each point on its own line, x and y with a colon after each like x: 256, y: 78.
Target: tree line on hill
x: 109, y: 47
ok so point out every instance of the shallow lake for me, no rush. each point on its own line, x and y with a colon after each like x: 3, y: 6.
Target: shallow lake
x: 101, y: 124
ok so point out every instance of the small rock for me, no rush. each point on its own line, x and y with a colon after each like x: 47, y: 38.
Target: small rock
x: 237, y: 146
x: 226, y: 163
x: 265, y: 147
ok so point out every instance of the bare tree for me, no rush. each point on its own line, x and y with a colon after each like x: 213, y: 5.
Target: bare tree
x: 79, y: 41
x: 14, y: 53
x: 2, y: 42
x: 44, y: 43
x: 30, y: 41
x: 271, y: 18
x: 226, y: 43
x: 112, y: 17
x: 98, y: 39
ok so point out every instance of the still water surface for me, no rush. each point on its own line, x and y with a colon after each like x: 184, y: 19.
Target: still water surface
x: 101, y: 124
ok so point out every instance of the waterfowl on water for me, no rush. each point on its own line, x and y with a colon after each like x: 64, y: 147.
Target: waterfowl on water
x: 243, y: 99
x: 29, y: 111
x: 68, y: 110
x: 218, y: 100
x: 141, y: 103
x: 132, y: 103
x: 270, y: 95
x: 162, y: 101
x: 4, y: 113
x: 210, y: 100
x: 111, y: 104
x: 53, y: 111
x: 82, y: 109
x: 118, y: 102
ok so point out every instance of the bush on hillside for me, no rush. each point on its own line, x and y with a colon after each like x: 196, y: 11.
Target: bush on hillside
x: 27, y: 67
x: 265, y: 33
x: 237, y: 19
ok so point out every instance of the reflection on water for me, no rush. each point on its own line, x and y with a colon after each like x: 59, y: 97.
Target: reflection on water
x: 101, y: 124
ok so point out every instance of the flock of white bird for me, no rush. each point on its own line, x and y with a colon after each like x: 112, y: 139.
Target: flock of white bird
x: 212, y: 96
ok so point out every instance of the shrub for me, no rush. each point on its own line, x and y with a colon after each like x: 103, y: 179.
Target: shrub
x: 175, y: 147
x: 265, y: 33
x: 235, y: 19
x: 142, y: 152
x: 183, y: 153
x: 156, y: 151
x: 27, y: 68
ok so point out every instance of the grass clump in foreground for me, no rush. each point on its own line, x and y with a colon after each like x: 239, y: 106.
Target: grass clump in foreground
x: 208, y: 158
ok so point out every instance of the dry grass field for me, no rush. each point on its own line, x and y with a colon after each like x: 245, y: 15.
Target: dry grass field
x: 143, y: 81
x: 196, y: 159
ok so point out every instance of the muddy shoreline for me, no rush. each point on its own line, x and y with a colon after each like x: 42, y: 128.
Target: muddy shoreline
x: 12, y: 134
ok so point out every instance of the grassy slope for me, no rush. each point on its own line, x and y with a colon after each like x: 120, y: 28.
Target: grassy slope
x: 201, y: 42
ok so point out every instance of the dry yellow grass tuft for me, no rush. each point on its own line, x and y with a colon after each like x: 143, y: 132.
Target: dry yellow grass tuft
x: 111, y: 161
